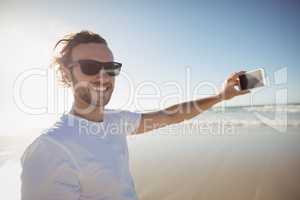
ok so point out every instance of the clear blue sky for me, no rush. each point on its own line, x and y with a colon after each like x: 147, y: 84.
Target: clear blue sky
x: 156, y: 40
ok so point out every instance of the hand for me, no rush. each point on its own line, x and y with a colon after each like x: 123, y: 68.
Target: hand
x: 229, y: 89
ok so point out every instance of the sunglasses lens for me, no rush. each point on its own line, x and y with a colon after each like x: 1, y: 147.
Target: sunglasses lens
x: 90, y: 68
x: 112, y: 72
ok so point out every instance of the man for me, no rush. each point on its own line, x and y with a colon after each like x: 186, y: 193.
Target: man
x: 84, y: 154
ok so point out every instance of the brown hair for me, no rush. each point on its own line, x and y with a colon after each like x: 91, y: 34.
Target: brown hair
x: 69, y: 42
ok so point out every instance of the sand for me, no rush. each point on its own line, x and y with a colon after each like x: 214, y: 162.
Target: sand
x: 256, y: 164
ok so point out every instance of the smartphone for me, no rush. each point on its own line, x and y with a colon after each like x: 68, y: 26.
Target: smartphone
x: 252, y: 79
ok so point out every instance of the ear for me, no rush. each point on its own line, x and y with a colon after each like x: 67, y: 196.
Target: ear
x: 66, y: 73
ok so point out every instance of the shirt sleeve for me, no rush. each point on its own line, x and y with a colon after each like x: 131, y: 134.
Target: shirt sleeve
x: 47, y: 174
x: 130, y: 120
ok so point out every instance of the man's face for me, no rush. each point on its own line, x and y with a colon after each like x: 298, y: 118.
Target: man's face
x: 97, y: 89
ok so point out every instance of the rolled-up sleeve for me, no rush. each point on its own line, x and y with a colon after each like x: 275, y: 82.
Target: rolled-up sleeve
x: 47, y: 173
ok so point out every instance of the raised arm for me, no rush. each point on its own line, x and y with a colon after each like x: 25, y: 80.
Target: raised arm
x: 187, y: 110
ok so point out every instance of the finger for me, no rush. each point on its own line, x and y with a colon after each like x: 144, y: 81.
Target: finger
x: 233, y: 82
x: 237, y: 74
x: 232, y: 75
x: 230, y: 83
x: 236, y: 81
x: 241, y: 92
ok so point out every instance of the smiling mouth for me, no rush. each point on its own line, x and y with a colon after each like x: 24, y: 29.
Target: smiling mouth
x: 99, y: 88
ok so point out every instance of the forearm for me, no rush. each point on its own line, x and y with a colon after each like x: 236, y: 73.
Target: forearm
x: 190, y: 109
x: 187, y: 110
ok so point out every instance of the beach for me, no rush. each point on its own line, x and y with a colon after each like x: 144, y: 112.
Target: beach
x: 253, y: 165
x: 231, y: 155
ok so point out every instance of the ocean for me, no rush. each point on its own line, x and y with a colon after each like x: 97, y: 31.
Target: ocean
x: 224, y: 153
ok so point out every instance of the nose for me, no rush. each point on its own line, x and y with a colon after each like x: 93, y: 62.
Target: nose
x: 103, y: 77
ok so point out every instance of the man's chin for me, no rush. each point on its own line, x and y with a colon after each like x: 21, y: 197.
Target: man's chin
x: 100, y: 102
x: 100, y: 99
x: 96, y: 99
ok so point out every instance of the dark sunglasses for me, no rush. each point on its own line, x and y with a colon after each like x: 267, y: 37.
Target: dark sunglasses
x: 93, y: 67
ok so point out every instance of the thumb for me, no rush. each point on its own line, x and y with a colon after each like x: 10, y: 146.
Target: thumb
x: 241, y: 92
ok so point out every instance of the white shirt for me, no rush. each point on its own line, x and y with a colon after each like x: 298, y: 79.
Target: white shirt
x: 80, y: 159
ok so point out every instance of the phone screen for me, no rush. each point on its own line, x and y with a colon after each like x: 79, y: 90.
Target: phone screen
x: 252, y: 79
